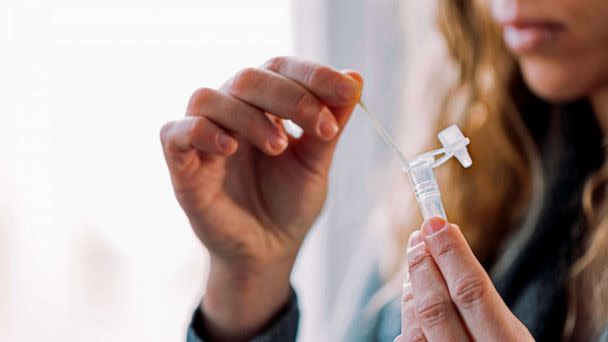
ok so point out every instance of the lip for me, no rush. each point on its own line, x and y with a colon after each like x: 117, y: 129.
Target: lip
x: 527, y: 36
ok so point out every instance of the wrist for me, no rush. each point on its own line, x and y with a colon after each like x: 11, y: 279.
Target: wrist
x: 240, y: 300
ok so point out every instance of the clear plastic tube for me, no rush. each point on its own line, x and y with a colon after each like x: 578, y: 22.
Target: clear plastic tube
x: 420, y: 170
x: 425, y: 186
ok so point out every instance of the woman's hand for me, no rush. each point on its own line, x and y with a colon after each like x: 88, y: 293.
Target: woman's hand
x: 449, y: 296
x: 250, y: 191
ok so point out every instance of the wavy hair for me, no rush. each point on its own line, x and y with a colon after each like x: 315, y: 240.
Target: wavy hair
x: 484, y: 97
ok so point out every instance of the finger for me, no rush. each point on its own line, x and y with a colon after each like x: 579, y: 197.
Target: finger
x: 479, y: 304
x: 334, y: 88
x: 434, y: 309
x: 317, y: 154
x: 280, y: 96
x: 238, y: 117
x: 196, y: 134
x: 410, y: 329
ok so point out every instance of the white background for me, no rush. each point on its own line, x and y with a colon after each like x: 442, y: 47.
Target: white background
x: 93, y: 245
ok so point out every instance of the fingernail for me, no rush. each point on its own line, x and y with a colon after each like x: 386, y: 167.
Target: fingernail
x: 277, y: 143
x: 415, y: 239
x: 276, y: 127
x: 328, y: 128
x: 347, y: 90
x: 433, y: 225
x: 226, y: 142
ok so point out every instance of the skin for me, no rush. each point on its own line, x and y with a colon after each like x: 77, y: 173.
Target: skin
x: 449, y: 295
x: 252, y: 193
x: 572, y: 65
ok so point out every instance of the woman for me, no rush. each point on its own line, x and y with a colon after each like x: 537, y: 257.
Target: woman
x: 531, y: 90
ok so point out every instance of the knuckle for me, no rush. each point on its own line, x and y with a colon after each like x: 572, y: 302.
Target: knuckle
x: 165, y: 132
x: 316, y: 73
x: 304, y: 103
x: 416, y: 335
x: 202, y: 97
x: 419, y: 260
x: 469, y: 291
x: 445, y: 248
x: 432, y: 311
x: 244, y: 79
x: 276, y: 63
x: 169, y: 135
x: 195, y: 128
x: 407, y: 295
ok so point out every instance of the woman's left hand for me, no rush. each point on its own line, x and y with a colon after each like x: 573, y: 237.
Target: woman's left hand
x: 449, y: 296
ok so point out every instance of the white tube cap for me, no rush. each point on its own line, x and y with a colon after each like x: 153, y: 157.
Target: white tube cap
x: 451, y: 136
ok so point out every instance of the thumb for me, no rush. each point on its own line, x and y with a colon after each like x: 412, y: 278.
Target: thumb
x: 316, y: 153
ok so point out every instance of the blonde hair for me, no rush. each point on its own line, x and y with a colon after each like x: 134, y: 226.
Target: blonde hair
x: 481, y: 98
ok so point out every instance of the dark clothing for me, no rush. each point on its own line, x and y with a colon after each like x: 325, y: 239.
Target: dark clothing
x: 533, y: 284
x: 283, y: 328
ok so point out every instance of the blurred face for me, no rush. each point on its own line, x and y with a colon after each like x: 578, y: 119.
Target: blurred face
x: 561, y: 45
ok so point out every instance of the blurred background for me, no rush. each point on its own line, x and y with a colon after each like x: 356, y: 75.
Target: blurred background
x: 93, y: 245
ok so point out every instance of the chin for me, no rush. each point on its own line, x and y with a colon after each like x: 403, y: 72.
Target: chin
x: 554, y: 83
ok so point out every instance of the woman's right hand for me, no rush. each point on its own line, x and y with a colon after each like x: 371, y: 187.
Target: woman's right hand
x: 250, y: 191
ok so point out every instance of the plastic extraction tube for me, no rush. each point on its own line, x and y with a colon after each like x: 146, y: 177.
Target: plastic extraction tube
x: 425, y: 187
x: 420, y: 170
